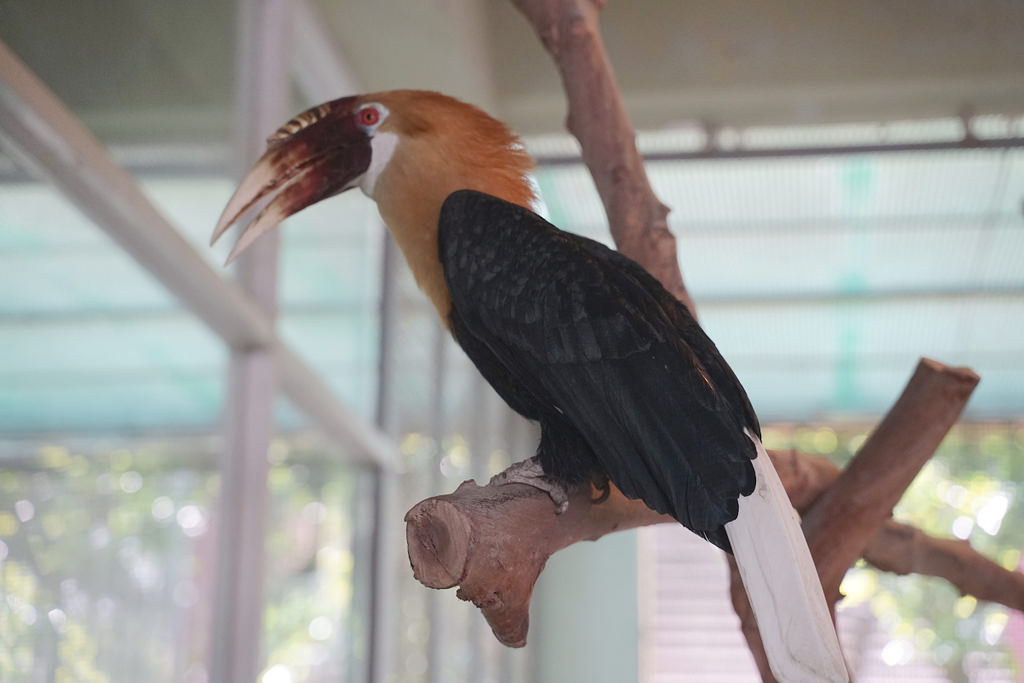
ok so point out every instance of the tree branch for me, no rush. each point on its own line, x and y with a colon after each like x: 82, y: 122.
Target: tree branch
x: 863, y: 495
x: 840, y: 522
x: 903, y: 549
x: 493, y: 541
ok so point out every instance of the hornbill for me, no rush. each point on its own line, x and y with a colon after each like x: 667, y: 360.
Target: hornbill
x: 625, y: 384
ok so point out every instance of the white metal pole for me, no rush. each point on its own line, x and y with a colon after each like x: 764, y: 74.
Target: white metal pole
x: 437, y: 601
x: 387, y: 519
x: 479, y: 436
x: 262, y: 102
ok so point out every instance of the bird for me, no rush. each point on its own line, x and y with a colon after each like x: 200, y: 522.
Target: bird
x: 625, y: 384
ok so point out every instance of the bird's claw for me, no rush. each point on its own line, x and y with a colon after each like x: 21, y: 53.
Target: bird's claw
x: 529, y: 472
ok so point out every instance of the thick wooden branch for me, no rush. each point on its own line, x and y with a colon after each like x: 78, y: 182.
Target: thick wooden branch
x: 493, y: 541
x: 840, y: 523
x: 903, y: 549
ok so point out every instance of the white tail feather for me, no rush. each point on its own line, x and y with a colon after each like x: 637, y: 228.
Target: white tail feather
x: 782, y: 583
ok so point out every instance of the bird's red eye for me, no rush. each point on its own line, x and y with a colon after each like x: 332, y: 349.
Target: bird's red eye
x: 369, y: 116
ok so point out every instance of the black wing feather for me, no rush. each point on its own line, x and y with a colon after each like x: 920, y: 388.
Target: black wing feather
x: 583, y: 339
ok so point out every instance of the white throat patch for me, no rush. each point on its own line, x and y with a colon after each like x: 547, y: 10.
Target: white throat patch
x: 383, y: 145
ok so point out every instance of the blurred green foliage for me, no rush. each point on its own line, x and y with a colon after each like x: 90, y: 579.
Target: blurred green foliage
x: 106, y: 563
x: 105, y: 559
x: 970, y: 489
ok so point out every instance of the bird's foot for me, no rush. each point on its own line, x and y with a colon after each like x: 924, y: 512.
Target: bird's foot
x: 529, y: 472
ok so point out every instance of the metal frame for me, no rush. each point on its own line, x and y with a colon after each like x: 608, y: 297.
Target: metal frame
x: 42, y: 132
x: 436, y: 607
x: 43, y: 135
x: 381, y: 584
x: 716, y: 153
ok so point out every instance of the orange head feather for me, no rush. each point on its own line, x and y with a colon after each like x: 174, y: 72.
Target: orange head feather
x: 407, y: 149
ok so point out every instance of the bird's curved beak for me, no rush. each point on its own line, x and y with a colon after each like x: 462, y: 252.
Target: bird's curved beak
x: 319, y: 153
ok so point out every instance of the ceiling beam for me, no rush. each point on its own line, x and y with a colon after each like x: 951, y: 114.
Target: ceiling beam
x: 718, y: 153
x: 41, y: 131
